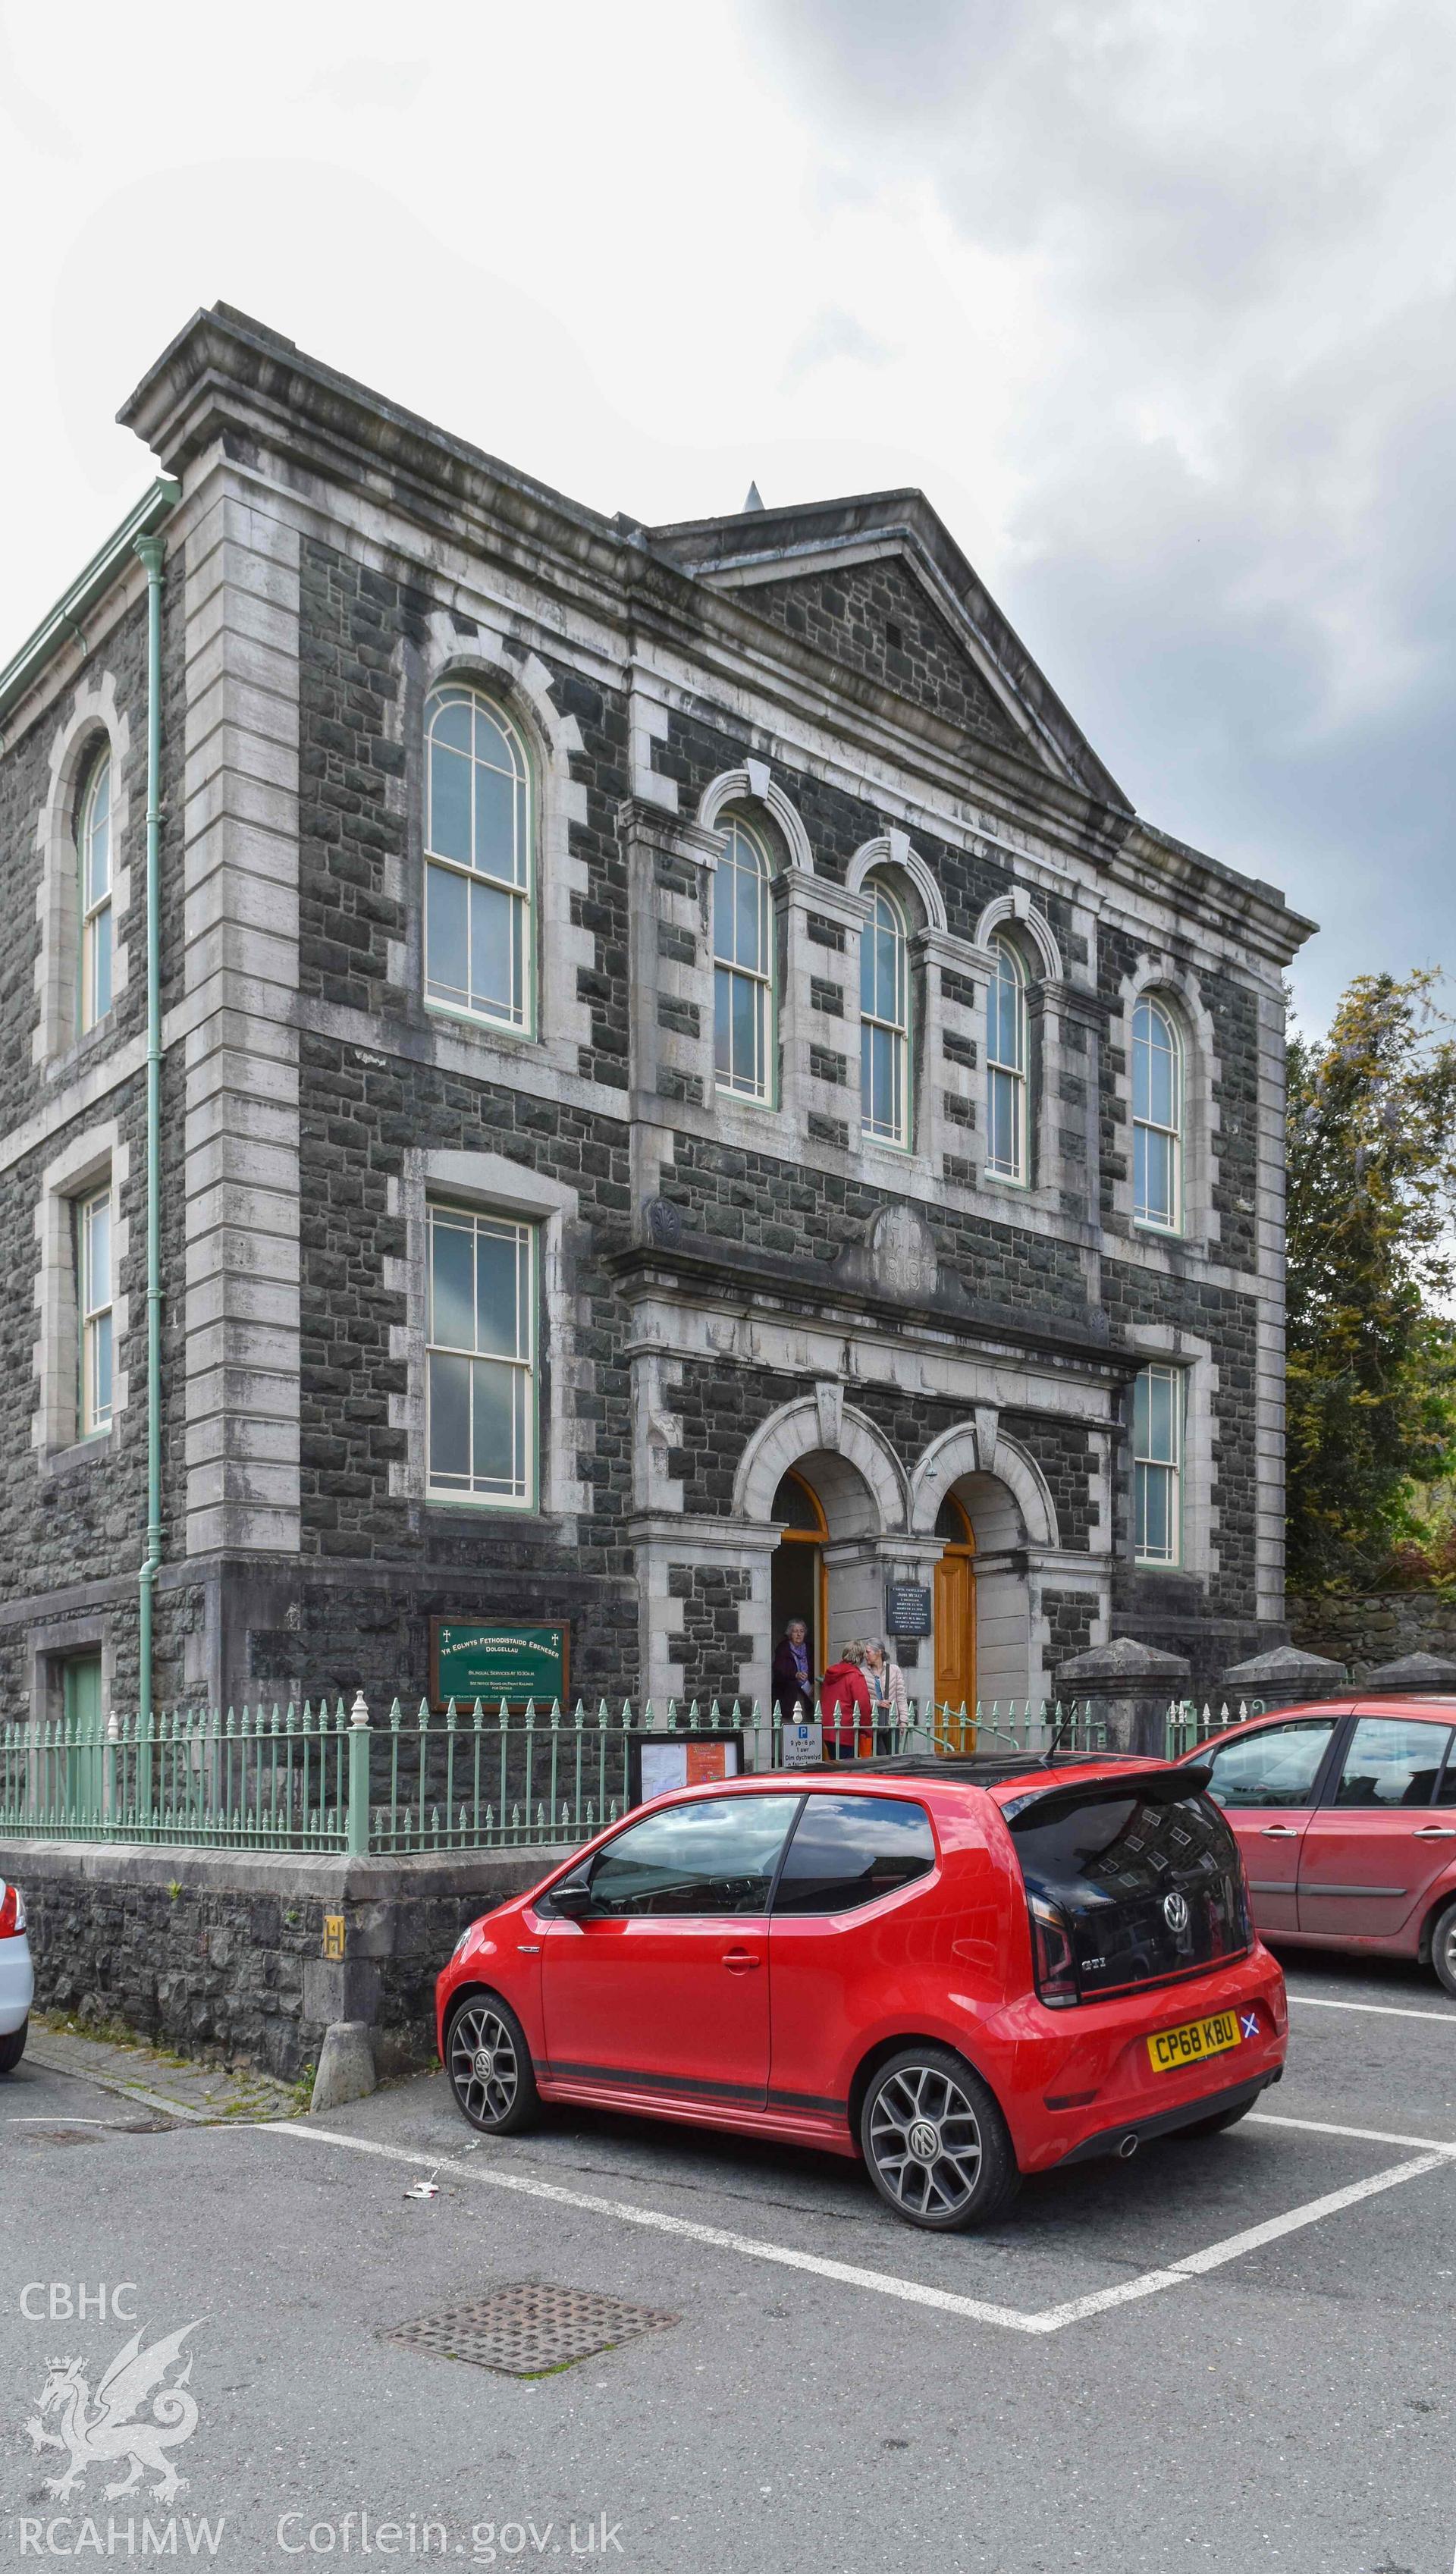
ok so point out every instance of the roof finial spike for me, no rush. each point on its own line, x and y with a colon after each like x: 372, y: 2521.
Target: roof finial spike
x: 755, y: 500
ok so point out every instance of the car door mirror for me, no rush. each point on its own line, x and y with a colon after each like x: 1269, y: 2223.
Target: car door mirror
x: 573, y: 1899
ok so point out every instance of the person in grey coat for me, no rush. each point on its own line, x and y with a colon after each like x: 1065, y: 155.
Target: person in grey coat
x: 889, y: 1698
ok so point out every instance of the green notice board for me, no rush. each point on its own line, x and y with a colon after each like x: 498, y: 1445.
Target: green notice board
x: 469, y: 1661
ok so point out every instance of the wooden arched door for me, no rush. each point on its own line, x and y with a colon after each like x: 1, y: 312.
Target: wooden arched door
x: 955, y: 1628
x: 799, y: 1579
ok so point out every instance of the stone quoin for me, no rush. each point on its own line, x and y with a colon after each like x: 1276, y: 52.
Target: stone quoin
x: 689, y: 1095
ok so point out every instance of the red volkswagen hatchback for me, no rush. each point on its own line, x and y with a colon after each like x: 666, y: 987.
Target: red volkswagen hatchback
x: 962, y: 1971
x: 1345, y: 1816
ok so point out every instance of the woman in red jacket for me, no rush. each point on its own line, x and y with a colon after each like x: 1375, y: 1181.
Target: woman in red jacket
x: 845, y: 1705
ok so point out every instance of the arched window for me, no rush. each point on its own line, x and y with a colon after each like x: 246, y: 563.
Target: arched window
x: 1157, y: 1117
x: 884, y: 1022
x: 1006, y: 1064
x: 93, y: 851
x: 479, y: 888
x: 743, y: 981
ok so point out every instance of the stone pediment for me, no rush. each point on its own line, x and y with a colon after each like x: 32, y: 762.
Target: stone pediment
x: 879, y: 584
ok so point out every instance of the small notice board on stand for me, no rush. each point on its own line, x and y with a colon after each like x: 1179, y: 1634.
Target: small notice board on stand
x: 658, y: 1762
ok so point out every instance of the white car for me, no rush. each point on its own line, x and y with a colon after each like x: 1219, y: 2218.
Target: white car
x: 17, y: 1978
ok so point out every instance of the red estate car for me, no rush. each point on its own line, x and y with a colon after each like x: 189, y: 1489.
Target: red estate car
x: 962, y: 1971
x: 1345, y: 1816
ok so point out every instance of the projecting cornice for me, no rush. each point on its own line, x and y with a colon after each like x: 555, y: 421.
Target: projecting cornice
x: 225, y: 372
x: 687, y: 593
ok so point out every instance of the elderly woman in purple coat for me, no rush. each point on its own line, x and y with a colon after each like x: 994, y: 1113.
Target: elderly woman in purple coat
x: 793, y: 1688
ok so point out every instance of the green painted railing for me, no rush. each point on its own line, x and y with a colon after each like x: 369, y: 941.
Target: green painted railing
x: 1189, y: 1725
x: 335, y: 1776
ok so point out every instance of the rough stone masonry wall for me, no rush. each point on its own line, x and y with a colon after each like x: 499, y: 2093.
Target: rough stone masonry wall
x: 392, y: 1562
x: 77, y: 1527
x: 222, y: 1950
x: 350, y: 1519
x: 765, y: 1204
x: 876, y: 619
x: 1175, y: 1611
x: 714, y: 1651
x: 1378, y: 1627
x: 720, y: 1406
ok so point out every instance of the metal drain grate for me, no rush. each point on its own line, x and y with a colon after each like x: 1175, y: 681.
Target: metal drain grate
x: 529, y: 2326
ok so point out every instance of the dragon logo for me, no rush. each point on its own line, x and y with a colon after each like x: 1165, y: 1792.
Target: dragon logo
x: 107, y: 2433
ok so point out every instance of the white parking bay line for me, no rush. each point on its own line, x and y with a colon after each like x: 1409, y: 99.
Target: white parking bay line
x: 884, y: 2283
x: 847, y: 2273
x: 1234, y: 2247
x: 1382, y: 2011
x: 1361, y: 2136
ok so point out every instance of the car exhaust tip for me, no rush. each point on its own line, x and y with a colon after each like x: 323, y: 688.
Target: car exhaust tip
x: 1126, y: 2149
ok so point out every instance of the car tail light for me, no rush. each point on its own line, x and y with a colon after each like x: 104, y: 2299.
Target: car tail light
x: 12, y: 1912
x: 1051, y: 1948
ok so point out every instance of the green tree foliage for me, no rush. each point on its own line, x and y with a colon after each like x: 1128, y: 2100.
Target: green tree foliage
x: 1371, y: 1346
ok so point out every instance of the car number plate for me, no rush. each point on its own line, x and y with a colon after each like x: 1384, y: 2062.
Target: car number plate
x: 1195, y: 2039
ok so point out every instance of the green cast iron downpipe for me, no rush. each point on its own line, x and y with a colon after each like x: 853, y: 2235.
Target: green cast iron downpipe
x: 150, y: 549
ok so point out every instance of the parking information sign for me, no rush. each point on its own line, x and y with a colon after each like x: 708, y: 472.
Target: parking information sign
x: 803, y: 1745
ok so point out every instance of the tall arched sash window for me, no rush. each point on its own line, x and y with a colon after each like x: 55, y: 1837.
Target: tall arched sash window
x: 93, y: 848
x: 1157, y: 1118
x: 884, y: 1022
x: 1006, y: 1064
x: 479, y: 888
x: 742, y: 980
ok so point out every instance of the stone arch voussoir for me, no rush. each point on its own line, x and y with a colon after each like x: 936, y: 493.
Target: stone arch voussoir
x: 961, y: 1452
x: 800, y: 1429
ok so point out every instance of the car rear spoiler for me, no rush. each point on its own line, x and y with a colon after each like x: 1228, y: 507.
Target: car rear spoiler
x: 982, y: 1769
x: 1155, y: 1786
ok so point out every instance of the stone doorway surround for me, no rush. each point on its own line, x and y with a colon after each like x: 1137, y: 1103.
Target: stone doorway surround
x: 881, y: 1529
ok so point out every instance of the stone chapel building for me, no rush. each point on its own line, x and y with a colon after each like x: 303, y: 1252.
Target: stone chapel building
x: 686, y: 1094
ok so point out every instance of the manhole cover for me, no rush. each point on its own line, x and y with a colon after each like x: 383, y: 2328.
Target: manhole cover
x: 527, y: 2327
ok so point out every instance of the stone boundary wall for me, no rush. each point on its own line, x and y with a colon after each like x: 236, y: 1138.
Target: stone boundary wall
x: 223, y: 1950
x: 1378, y: 1627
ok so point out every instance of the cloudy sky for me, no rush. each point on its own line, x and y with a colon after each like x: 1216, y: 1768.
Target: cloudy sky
x: 1153, y: 299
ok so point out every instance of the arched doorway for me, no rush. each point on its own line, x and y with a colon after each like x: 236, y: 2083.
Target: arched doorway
x: 799, y: 1579
x: 955, y: 1600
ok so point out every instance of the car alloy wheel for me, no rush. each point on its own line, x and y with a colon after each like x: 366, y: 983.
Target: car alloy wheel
x: 1443, y: 1948
x: 484, y: 2056
x: 937, y: 2145
x: 924, y: 2137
